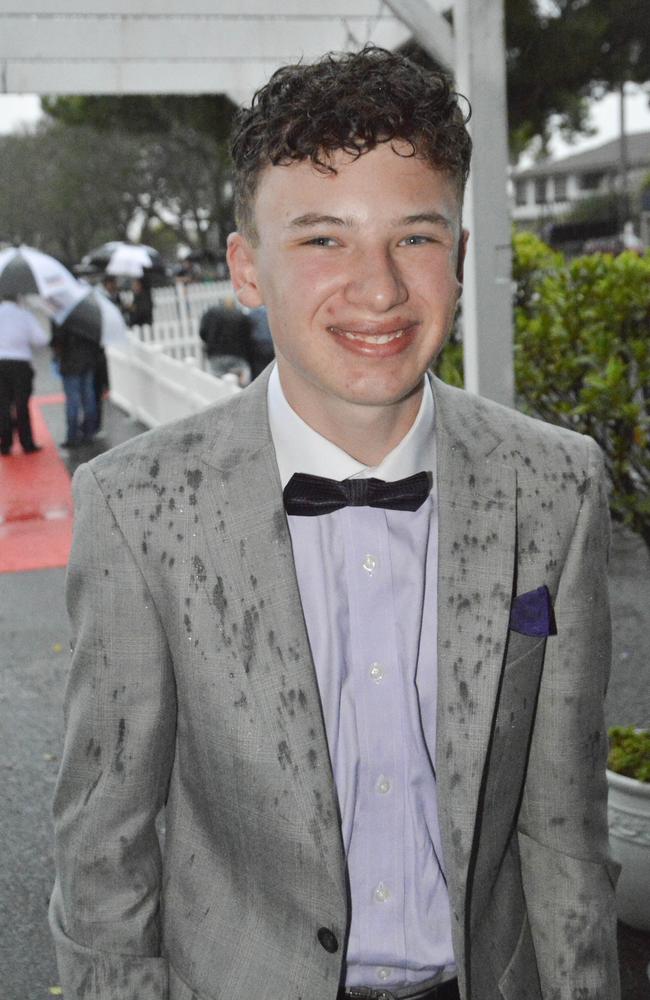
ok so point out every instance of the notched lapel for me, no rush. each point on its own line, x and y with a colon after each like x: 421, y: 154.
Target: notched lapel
x: 477, y: 551
x: 256, y: 596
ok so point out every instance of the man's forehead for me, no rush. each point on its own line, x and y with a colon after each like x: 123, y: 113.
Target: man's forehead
x: 304, y: 184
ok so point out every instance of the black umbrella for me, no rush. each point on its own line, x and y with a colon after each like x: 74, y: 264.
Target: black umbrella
x: 96, y: 318
x: 25, y: 271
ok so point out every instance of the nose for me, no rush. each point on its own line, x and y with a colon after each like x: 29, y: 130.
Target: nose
x: 375, y: 282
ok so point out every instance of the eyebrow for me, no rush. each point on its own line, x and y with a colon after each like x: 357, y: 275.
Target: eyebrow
x: 314, y: 219
x: 310, y: 219
x: 433, y: 218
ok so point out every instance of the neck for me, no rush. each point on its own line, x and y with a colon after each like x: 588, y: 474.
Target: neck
x: 365, y: 432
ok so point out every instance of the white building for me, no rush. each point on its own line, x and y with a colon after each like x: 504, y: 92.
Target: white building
x: 546, y: 191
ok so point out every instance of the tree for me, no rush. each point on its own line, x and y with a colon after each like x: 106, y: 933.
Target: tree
x: 146, y: 114
x: 548, y: 73
x: 69, y: 188
x: 183, y: 154
x: 562, y: 53
x: 623, y: 39
x: 187, y: 174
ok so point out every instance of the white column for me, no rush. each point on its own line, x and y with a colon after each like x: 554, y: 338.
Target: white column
x: 487, y: 304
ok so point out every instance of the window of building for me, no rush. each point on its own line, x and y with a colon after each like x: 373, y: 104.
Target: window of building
x: 559, y: 188
x: 521, y: 192
x: 591, y: 181
x: 540, y: 191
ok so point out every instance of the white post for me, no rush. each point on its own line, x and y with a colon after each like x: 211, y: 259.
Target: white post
x: 487, y: 297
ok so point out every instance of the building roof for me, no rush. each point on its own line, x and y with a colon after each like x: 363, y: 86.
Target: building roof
x: 605, y: 157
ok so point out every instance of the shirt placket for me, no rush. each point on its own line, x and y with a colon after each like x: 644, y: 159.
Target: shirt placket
x: 376, y: 865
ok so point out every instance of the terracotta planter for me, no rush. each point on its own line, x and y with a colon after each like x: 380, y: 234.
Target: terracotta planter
x: 629, y: 837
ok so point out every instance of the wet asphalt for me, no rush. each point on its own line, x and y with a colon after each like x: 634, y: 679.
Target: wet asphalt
x: 34, y: 646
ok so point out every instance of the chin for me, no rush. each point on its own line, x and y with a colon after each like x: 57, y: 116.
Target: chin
x: 373, y: 394
x: 391, y: 385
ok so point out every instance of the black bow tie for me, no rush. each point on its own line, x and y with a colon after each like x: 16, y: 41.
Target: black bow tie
x: 313, y: 495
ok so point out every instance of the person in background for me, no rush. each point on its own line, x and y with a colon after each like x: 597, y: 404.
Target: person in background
x: 140, y: 312
x: 226, y: 332
x: 77, y: 359
x: 19, y: 333
x: 101, y: 385
x: 111, y: 290
x: 188, y: 271
x: 262, y: 351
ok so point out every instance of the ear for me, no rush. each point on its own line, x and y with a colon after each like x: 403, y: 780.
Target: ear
x: 243, y: 271
x: 462, y: 250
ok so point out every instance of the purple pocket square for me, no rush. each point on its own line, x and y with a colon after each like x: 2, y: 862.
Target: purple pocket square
x: 532, y: 613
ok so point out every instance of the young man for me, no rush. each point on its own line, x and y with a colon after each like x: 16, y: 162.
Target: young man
x: 372, y: 707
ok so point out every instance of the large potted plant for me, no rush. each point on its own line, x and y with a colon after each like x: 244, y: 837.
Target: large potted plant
x: 628, y: 774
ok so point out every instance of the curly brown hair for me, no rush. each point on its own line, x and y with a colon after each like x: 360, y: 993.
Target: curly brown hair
x: 347, y: 102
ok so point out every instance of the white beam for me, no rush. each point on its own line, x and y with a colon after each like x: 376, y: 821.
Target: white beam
x: 429, y: 27
x: 171, y: 39
x: 240, y: 80
x: 487, y: 296
x: 218, y: 9
x: 93, y: 47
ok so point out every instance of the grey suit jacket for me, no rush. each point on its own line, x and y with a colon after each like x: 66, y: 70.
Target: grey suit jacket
x: 192, y: 686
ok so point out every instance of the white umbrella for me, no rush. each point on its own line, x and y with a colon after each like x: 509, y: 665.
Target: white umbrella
x: 28, y: 272
x: 130, y: 260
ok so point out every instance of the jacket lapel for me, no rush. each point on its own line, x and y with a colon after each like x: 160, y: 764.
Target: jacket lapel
x: 477, y: 547
x: 250, y: 547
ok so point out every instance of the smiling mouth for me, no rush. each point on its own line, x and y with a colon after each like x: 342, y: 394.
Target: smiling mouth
x: 370, y: 338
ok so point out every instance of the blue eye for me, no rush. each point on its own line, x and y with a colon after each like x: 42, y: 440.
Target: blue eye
x: 416, y: 241
x: 321, y: 241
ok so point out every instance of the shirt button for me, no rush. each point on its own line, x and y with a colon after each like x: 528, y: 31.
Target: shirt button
x: 370, y: 563
x: 327, y: 939
x: 382, y: 893
x: 383, y: 785
x: 383, y: 974
x: 376, y: 672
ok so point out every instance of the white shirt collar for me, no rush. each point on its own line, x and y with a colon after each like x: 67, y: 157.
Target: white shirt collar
x: 299, y: 448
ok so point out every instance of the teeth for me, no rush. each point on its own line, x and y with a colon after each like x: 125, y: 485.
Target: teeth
x: 367, y: 338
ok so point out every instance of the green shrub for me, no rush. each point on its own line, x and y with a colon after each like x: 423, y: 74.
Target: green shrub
x: 582, y: 359
x: 629, y: 752
x: 531, y: 260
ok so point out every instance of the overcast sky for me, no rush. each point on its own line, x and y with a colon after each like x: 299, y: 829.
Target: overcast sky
x: 15, y: 110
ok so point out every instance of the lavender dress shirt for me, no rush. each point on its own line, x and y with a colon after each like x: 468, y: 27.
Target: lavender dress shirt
x: 368, y: 586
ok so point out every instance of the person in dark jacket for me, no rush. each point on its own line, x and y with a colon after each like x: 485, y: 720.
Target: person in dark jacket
x: 140, y: 311
x: 226, y: 333
x: 78, y: 358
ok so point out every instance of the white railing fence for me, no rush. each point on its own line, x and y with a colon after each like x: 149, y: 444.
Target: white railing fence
x: 157, y: 377
x: 177, y: 314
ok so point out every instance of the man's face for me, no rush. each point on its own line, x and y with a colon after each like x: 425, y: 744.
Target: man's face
x: 359, y: 272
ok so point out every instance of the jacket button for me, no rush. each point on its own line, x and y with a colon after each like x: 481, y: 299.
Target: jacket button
x: 328, y: 939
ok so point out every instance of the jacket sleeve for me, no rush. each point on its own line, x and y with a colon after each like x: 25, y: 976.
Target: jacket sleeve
x: 120, y: 712
x: 567, y: 875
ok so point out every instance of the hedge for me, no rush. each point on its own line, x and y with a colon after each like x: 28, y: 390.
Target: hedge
x: 582, y: 359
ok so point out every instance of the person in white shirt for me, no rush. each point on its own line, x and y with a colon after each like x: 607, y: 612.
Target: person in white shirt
x: 19, y: 333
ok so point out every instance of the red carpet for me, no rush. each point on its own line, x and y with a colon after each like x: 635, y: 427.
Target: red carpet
x: 35, y: 503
